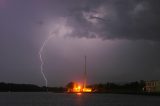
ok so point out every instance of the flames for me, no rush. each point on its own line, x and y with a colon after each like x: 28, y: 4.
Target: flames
x: 77, y: 88
x: 87, y: 90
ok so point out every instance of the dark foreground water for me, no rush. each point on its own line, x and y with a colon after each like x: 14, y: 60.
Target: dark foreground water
x: 53, y: 99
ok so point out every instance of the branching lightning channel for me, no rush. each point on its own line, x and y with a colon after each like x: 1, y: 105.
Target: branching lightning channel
x: 41, y: 59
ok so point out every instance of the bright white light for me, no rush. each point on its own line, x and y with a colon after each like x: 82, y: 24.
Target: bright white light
x: 99, y: 12
x: 59, y: 29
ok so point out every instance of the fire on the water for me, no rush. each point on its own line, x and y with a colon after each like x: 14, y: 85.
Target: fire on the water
x: 78, y: 88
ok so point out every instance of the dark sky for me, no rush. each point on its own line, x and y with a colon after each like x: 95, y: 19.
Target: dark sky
x: 121, y: 39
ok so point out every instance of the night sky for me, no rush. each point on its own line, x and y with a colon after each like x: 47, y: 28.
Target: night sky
x: 121, y: 39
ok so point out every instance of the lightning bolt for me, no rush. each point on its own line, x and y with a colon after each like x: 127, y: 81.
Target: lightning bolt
x: 59, y: 29
x: 41, y: 59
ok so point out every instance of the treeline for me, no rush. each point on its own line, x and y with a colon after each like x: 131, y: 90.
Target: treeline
x: 130, y: 87
x: 11, y: 87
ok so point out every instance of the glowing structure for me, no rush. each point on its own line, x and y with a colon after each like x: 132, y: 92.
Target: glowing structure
x: 85, y: 89
x: 85, y: 73
x: 77, y: 88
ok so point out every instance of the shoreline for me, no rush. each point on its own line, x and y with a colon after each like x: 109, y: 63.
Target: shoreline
x: 125, y: 93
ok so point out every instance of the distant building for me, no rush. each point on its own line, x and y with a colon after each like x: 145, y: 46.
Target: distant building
x: 152, y: 86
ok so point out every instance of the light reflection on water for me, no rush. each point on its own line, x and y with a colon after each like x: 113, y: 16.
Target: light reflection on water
x: 62, y: 99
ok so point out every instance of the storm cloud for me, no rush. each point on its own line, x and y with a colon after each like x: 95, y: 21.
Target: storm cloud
x: 117, y: 19
x: 120, y: 38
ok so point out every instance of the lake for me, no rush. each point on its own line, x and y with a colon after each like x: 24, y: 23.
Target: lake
x: 63, y: 99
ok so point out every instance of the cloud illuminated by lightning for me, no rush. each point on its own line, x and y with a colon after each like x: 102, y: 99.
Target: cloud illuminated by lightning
x: 59, y: 29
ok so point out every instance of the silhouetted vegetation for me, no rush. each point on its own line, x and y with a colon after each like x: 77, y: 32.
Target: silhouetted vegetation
x: 126, y: 88
x: 11, y: 87
x: 70, y: 85
x: 131, y: 87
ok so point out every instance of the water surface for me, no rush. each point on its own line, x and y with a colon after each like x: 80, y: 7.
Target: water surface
x: 63, y: 99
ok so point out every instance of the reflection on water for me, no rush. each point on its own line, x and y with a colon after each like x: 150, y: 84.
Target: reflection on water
x: 53, y: 99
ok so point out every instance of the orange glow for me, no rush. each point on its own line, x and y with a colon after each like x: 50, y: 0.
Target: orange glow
x: 87, y: 90
x: 77, y: 88
x: 79, y: 93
